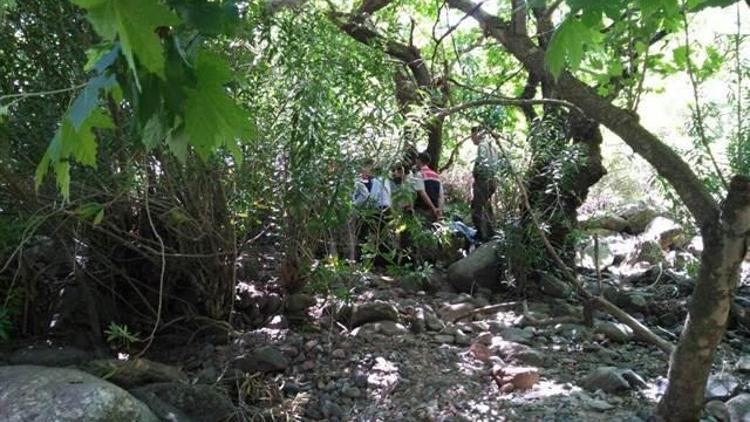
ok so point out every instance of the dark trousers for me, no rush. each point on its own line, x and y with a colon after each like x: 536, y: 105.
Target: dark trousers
x: 481, y: 207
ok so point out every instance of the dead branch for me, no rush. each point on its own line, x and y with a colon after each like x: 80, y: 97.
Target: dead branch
x: 486, y: 309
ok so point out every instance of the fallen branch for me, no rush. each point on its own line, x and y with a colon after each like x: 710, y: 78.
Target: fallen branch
x: 641, y: 331
x: 527, y: 320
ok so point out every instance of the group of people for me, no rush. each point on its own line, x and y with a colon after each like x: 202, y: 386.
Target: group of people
x: 420, y: 193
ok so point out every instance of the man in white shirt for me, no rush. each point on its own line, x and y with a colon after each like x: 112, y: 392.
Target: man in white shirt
x: 372, y: 197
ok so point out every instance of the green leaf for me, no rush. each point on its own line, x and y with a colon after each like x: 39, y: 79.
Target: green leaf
x: 212, y: 118
x: 87, y: 100
x: 567, y: 45
x: 134, y: 22
x: 680, y: 57
x: 69, y: 143
x: 99, y: 217
x: 153, y: 133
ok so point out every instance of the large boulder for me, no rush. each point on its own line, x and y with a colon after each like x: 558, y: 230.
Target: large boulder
x: 480, y: 268
x: 612, y: 380
x: 666, y: 232
x: 262, y: 359
x: 34, y: 393
x: 638, y: 216
x: 181, y: 402
x: 739, y: 408
x: 606, y: 221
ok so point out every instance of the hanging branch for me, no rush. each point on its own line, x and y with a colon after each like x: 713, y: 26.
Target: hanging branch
x: 639, y: 329
x: 698, y: 111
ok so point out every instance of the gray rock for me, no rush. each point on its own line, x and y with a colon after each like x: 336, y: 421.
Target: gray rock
x: 743, y: 364
x: 528, y: 356
x: 739, y: 408
x: 721, y: 386
x: 481, y: 268
x: 193, y: 402
x: 612, y: 380
x: 390, y: 328
x: 455, y: 310
x: 34, y: 393
x: 553, y: 286
x: 666, y: 232
x: 331, y: 410
x: 351, y: 392
x: 298, y: 303
x: 443, y: 338
x: 373, y: 311
x: 718, y: 410
x: 607, y: 221
x: 339, y: 354
x: 461, y: 338
x: 615, y: 331
x: 262, y: 359
x: 49, y: 356
x: 433, y: 322
x: 638, y: 216
x: 517, y: 335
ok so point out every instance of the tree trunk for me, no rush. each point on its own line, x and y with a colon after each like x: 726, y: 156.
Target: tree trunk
x: 725, y: 247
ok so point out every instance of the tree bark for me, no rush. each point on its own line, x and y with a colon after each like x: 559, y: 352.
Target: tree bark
x: 725, y: 245
x: 431, y: 90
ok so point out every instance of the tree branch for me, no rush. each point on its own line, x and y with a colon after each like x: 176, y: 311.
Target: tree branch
x: 507, y: 101
x: 664, y: 159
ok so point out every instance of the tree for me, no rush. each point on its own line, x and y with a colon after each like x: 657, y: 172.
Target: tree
x: 724, y: 227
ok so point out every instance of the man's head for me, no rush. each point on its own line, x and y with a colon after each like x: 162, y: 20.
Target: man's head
x: 423, y: 159
x: 476, y: 135
x: 398, y: 171
x: 367, y: 167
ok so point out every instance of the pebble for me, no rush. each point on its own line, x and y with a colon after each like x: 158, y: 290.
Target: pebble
x: 339, y: 354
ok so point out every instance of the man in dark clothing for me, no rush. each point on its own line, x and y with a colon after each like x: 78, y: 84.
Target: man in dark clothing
x: 485, y: 169
x: 430, y: 197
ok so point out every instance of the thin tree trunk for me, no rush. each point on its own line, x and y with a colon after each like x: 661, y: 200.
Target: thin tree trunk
x: 725, y: 247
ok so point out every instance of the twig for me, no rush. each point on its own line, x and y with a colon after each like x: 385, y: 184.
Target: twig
x: 42, y: 93
x: 162, y: 272
x: 596, y: 265
x: 506, y: 101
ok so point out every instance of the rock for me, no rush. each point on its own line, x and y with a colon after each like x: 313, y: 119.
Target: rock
x: 743, y: 364
x: 451, y: 312
x: 521, y: 378
x: 372, y: 312
x: 196, y: 402
x: 607, y: 221
x: 718, y: 410
x: 418, y: 324
x: 528, y: 356
x: 553, y: 286
x: 443, y: 338
x: 517, y: 335
x: 339, y: 354
x: 49, y: 356
x: 586, y: 256
x: 597, y: 404
x: 721, y: 386
x: 649, y: 251
x: 638, y: 216
x: 612, y: 380
x: 262, y: 359
x: 461, y: 338
x: 666, y: 232
x: 351, y: 392
x: 390, y: 328
x: 35, y: 393
x: 615, y: 331
x: 298, y: 303
x: 739, y: 408
x: 433, y: 322
x: 331, y: 410
x: 481, y: 268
